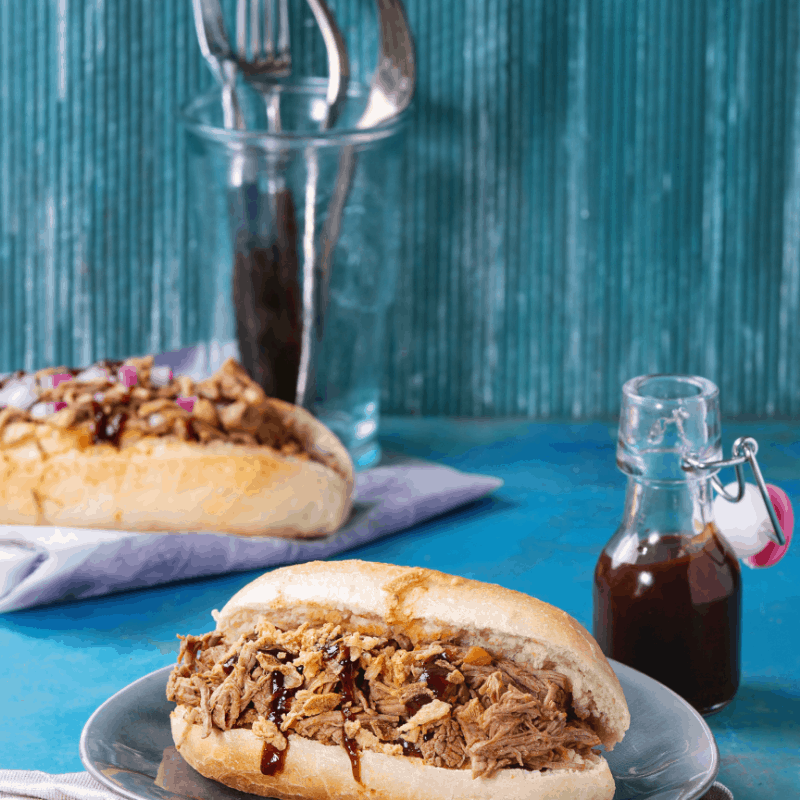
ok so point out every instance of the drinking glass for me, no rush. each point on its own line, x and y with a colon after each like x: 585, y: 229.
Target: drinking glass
x: 348, y: 311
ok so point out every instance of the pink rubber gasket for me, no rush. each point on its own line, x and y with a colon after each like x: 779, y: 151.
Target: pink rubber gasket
x: 773, y: 553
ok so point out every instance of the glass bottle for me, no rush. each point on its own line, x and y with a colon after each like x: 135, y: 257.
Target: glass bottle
x: 667, y: 586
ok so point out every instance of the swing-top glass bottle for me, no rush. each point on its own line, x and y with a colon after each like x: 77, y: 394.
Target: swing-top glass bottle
x: 667, y: 589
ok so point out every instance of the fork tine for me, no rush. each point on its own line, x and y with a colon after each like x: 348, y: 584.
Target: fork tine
x: 241, y: 28
x: 255, y: 18
x: 283, y: 30
x: 269, y: 40
x: 262, y: 36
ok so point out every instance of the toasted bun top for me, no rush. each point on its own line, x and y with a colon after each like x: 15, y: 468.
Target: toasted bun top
x: 317, y: 440
x: 424, y: 605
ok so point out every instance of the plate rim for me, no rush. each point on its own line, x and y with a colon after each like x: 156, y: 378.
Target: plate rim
x: 121, y: 791
x: 82, y: 743
x: 715, y: 757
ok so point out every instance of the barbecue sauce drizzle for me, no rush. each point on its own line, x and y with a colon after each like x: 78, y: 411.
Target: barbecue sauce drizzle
x: 107, y: 427
x: 433, y: 676
x: 348, y: 677
x: 191, y: 432
x: 410, y: 749
x: 272, y: 759
x: 110, y: 427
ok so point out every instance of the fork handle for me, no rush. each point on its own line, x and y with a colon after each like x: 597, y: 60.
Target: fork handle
x: 232, y: 117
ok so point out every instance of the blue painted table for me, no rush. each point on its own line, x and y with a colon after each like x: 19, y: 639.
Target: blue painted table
x: 540, y: 533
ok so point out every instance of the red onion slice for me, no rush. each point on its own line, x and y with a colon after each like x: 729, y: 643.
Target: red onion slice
x: 42, y: 410
x: 128, y: 376
x: 186, y: 403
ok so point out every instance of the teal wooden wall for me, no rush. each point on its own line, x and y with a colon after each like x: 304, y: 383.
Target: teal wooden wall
x: 593, y: 189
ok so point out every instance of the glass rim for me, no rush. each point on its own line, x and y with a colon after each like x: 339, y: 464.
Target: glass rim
x: 268, y: 140
x: 702, y: 390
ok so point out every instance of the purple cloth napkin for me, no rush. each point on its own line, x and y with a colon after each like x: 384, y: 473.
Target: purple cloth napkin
x: 47, y: 564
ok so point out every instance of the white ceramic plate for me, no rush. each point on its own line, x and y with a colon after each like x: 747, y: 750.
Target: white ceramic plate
x: 669, y: 753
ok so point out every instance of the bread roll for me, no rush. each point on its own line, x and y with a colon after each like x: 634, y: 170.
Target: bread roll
x: 171, y: 456
x: 424, y: 610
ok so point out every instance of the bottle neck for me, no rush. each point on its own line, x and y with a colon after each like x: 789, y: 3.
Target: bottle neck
x: 681, y: 507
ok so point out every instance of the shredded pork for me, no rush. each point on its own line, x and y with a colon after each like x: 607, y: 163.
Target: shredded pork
x: 451, y: 706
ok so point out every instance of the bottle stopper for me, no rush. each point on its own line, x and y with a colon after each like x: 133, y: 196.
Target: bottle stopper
x: 747, y: 525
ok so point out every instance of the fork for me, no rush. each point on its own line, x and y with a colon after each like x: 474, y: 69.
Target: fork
x: 265, y: 60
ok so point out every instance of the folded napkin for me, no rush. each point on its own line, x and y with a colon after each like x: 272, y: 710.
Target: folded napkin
x: 20, y: 785
x: 49, y: 564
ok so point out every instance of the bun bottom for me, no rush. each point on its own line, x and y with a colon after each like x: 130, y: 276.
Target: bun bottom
x: 314, y: 771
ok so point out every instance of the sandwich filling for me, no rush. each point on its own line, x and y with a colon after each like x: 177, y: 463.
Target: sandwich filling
x: 120, y: 403
x: 451, y: 705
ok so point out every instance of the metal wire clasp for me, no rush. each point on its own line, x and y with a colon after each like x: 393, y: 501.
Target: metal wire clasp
x: 744, y: 450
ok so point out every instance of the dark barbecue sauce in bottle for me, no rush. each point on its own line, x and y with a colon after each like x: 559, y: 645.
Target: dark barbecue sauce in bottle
x: 667, y: 586
x: 675, y: 614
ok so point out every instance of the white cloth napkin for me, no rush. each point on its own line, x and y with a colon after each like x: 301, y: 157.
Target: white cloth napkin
x: 20, y: 785
x: 41, y: 565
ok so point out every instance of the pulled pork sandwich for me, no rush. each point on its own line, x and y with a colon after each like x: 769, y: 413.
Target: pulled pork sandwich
x: 125, y: 445
x: 357, y: 680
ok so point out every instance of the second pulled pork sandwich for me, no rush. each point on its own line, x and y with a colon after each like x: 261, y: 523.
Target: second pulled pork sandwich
x: 360, y: 680
x: 121, y: 445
